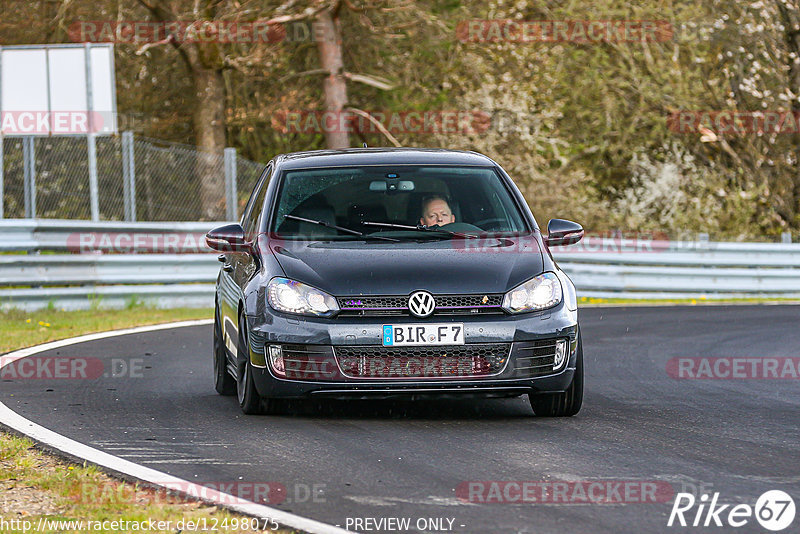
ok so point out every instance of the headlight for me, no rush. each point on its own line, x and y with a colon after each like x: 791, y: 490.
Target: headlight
x: 288, y: 296
x: 570, y: 297
x: 538, y: 293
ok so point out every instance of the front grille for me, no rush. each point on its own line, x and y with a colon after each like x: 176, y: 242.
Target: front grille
x: 534, y: 358
x: 372, y: 306
x: 450, y: 361
x: 308, y: 362
x: 366, y: 303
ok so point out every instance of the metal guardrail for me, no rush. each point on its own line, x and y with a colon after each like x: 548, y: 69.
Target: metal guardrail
x: 106, y: 269
x: 184, y: 276
x: 59, y: 235
x: 605, y: 268
x: 109, y: 297
x: 65, y: 265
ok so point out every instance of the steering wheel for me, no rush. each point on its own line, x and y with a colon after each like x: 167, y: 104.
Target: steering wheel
x: 492, y: 222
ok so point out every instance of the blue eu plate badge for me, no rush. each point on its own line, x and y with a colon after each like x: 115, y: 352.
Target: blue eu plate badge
x: 388, y: 338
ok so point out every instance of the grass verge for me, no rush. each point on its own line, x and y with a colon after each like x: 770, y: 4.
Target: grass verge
x: 20, y: 329
x: 589, y: 301
x: 36, y: 486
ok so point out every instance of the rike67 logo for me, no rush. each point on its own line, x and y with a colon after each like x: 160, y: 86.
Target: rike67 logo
x: 774, y: 510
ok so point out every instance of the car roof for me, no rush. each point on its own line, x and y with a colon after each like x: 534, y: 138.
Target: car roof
x: 380, y: 156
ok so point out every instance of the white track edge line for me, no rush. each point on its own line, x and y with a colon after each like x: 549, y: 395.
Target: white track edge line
x: 49, y: 438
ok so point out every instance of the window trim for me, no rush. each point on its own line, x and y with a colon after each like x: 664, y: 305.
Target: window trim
x: 248, y: 210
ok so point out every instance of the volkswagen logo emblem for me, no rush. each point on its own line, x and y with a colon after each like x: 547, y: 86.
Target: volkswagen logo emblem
x: 421, y: 303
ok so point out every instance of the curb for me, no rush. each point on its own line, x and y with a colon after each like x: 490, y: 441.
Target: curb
x: 128, y: 470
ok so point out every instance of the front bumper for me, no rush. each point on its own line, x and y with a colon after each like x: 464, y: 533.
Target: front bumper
x: 325, y: 335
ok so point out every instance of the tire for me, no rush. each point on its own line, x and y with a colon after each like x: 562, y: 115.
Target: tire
x: 567, y: 403
x: 249, y: 400
x: 223, y: 381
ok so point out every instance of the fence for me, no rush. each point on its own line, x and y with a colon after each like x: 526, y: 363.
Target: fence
x: 184, y: 276
x: 698, y: 270
x: 137, y: 179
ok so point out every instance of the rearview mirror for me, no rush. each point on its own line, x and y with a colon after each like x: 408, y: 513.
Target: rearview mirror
x: 390, y: 185
x: 563, y: 232
x: 228, y: 238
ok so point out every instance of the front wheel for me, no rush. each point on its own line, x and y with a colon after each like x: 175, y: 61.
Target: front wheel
x: 567, y: 403
x: 249, y: 399
x: 223, y: 381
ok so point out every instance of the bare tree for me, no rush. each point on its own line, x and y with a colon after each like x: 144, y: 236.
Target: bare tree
x: 330, y: 47
x: 205, y: 63
x: 334, y: 85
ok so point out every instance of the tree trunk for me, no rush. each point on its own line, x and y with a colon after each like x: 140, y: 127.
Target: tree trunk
x: 203, y: 60
x: 790, y: 18
x: 794, y: 80
x: 209, y: 127
x: 334, y: 85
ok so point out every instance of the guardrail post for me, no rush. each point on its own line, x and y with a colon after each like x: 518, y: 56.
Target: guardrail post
x: 702, y: 241
x: 230, y: 184
x: 2, y: 161
x: 786, y: 237
x: 90, y: 140
x: 29, y: 176
x: 93, y: 193
x: 2, y: 169
x: 128, y: 176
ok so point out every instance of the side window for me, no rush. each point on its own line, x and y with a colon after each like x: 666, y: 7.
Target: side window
x: 255, y: 206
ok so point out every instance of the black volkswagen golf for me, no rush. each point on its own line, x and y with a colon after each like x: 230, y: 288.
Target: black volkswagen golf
x: 371, y: 273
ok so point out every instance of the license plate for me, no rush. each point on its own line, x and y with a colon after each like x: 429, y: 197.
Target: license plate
x: 400, y: 335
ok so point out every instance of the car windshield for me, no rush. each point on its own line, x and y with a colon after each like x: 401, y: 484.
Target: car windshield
x: 399, y: 201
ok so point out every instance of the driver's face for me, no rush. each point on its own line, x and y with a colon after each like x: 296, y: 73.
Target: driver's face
x: 437, y: 212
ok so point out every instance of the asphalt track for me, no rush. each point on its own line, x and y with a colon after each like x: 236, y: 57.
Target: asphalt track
x: 382, y: 459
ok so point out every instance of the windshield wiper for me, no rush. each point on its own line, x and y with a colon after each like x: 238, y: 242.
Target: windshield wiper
x: 419, y: 227
x: 340, y: 228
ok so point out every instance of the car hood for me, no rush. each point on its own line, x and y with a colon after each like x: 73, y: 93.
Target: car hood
x: 343, y: 268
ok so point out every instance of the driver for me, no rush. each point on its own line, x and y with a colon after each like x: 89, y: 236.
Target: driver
x: 436, y: 211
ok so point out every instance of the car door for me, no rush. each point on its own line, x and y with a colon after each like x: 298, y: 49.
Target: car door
x: 240, y: 266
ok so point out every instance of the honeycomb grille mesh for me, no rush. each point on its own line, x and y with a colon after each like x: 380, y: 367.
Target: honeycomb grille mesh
x: 398, y: 305
x: 474, y: 360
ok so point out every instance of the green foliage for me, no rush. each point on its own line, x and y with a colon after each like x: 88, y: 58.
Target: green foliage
x: 133, y: 302
x: 95, y: 301
x: 581, y: 127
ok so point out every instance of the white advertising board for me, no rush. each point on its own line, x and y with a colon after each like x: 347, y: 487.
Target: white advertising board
x: 65, y: 89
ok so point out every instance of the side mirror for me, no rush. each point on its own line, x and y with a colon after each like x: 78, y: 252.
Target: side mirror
x: 563, y: 232
x: 228, y: 238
